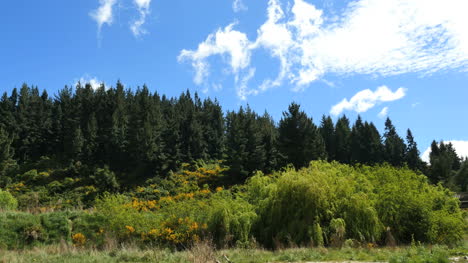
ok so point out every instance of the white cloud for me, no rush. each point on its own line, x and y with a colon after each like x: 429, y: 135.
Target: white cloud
x: 366, y: 99
x: 225, y: 42
x: 374, y: 37
x: 143, y: 7
x: 217, y: 86
x: 238, y: 5
x: 104, y: 13
x: 93, y: 81
x: 243, y: 90
x: 461, y: 147
x: 383, y: 113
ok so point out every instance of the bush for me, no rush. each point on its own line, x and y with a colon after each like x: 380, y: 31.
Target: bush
x: 230, y: 220
x: 406, y: 203
x: 18, y: 230
x: 93, y: 226
x: 445, y: 228
x: 57, y: 226
x: 7, y: 201
x: 295, y: 206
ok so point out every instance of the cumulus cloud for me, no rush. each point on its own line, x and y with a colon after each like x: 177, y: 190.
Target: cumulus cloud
x: 383, y: 113
x: 104, y: 13
x: 367, y: 99
x: 372, y: 37
x: 238, y: 5
x: 93, y: 81
x: 461, y: 147
x: 143, y: 7
x: 229, y: 43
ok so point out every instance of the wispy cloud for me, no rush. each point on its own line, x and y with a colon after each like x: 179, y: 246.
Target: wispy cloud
x: 103, y: 14
x: 416, y: 104
x: 229, y: 43
x: 375, y: 37
x: 367, y: 99
x: 461, y: 147
x: 143, y: 7
x: 383, y: 113
x: 93, y: 81
x: 238, y: 5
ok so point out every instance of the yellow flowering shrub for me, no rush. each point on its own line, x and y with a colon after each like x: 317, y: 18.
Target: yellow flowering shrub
x: 130, y: 229
x: 154, y: 205
x: 176, y: 232
x: 79, y: 240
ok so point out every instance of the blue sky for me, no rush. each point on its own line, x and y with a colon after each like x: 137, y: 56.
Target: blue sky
x: 403, y: 59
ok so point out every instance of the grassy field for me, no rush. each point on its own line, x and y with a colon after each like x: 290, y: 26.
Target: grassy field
x: 203, y: 253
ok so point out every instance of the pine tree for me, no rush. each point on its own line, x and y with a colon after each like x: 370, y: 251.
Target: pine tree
x: 327, y: 131
x: 371, y: 144
x: 6, y: 155
x: 46, y: 125
x: 236, y: 144
x: 342, y: 140
x: 462, y: 176
x: 192, y: 145
x: 245, y: 148
x: 145, y: 136
x: 299, y: 141
x: 394, y: 145
x: 6, y: 151
x: 91, y: 135
x: 444, y: 162
x: 77, y: 145
x: 269, y: 136
x: 119, y: 129
x: 357, y: 150
x: 256, y: 154
x: 170, y: 136
x: 212, y: 121
x: 412, y: 153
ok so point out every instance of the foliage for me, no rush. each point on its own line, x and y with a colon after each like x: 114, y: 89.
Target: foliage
x: 18, y: 230
x: 293, y: 205
x: 79, y: 240
x: 326, y: 204
x: 57, y: 226
x: 7, y: 201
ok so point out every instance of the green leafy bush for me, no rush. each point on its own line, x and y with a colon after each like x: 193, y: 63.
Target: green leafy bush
x: 7, y: 201
x: 293, y: 204
x: 19, y: 229
x: 57, y: 226
x: 230, y: 220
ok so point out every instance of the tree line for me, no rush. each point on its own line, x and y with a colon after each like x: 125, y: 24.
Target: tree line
x: 141, y: 134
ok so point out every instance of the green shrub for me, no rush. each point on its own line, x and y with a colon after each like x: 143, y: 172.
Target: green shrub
x: 19, y: 229
x: 446, y: 228
x: 292, y: 204
x: 317, y: 235
x: 230, y: 220
x: 362, y: 221
x: 94, y: 226
x: 338, y: 231
x: 57, y: 226
x: 119, y: 213
x: 7, y: 201
x: 406, y: 203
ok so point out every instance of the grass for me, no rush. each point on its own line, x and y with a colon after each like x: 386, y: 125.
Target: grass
x: 204, y: 253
